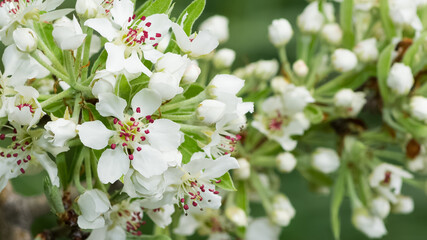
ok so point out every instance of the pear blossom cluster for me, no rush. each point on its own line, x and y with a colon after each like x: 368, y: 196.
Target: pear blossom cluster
x: 141, y: 118
x: 114, y: 96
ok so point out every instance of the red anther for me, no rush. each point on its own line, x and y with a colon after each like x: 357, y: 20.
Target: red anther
x: 138, y: 149
x: 138, y: 110
x: 116, y: 120
x: 143, y: 18
x: 22, y: 170
x: 113, y: 146
x: 14, y: 138
x: 132, y: 119
x: 148, y: 24
x: 218, y: 181
x: 194, y: 204
x: 151, y: 120
x: 158, y: 35
x: 216, y: 192
x: 19, y: 162
x: 9, y: 155
x: 186, y: 207
x: 2, y: 136
x: 143, y: 138
x: 147, y: 131
x: 28, y: 157
x: 155, y: 45
x: 134, y: 16
x: 15, y: 155
x: 124, y: 144
x: 182, y: 200
x: 130, y: 157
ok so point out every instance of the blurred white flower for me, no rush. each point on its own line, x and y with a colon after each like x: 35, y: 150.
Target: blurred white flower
x: 218, y: 26
x: 348, y: 102
x: 325, y: 160
x: 286, y: 162
x: 344, y: 60
x: 367, y: 50
x: 400, y: 79
x: 280, y: 32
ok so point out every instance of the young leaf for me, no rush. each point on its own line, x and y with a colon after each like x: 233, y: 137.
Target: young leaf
x: 191, y: 14
x: 314, y: 114
x: 389, y: 29
x: 226, y: 182
x: 384, y: 65
x: 346, y: 18
x: 337, y: 197
x: 188, y: 147
x: 157, y: 6
x: 123, y: 88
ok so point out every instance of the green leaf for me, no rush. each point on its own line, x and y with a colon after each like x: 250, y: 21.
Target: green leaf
x: 53, y: 196
x: 193, y: 91
x: 187, y: 148
x: 226, y: 182
x: 29, y: 185
x: 99, y: 62
x: 336, y: 201
x: 157, y: 6
x: 409, y: 57
x: 242, y: 200
x: 123, y: 88
x: 346, y: 19
x: 61, y: 162
x: 314, y: 114
x: 148, y: 237
x: 191, y: 14
x: 143, y: 7
x: 383, y: 68
x: 388, y: 26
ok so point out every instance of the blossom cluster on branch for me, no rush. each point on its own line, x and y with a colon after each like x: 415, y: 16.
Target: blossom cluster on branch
x: 135, y: 117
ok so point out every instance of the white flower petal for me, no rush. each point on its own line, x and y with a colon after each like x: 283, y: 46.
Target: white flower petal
x: 104, y: 27
x: 98, y: 222
x: 112, y: 165
x: 164, y: 135
x: 121, y: 12
x: 116, y: 57
x: 145, y: 102
x: 94, y: 134
x: 49, y: 166
x: 111, y: 105
x: 134, y: 65
x: 149, y: 161
x: 218, y: 167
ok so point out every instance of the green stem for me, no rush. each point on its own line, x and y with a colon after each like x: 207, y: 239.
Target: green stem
x: 356, y: 203
x: 393, y: 155
x: 76, y: 109
x: 263, y: 161
x: 64, y: 94
x: 86, y: 55
x: 51, y: 56
x: 51, y: 69
x: 69, y: 64
x: 262, y: 192
x: 94, y: 162
x: 178, y: 117
x: 88, y: 171
x: 286, y: 65
x: 78, y: 62
x: 76, y: 174
x: 192, y: 129
x: 177, y: 105
x: 204, y: 74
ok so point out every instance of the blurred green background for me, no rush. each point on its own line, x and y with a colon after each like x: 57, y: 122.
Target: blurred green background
x: 249, y: 20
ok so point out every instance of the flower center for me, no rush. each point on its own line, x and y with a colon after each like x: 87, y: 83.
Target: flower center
x: 138, y: 33
x: 19, y: 150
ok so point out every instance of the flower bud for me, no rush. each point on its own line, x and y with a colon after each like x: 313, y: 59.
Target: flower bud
x: 237, y: 216
x: 104, y: 82
x: 165, y: 84
x: 244, y: 171
x: 224, y: 58
x: 370, y: 225
x: 300, y: 68
x: 58, y: 132
x: 68, y: 34
x: 283, y: 211
x: 325, y: 160
x: 348, y: 102
x: 344, y: 60
x: 311, y: 19
x: 367, y: 50
x: 218, y: 26
x: 404, y: 205
x: 400, y: 79
x: 418, y: 108
x: 332, y: 33
x: 173, y: 64
x: 25, y: 39
x: 286, y: 162
x: 280, y: 32
x: 210, y: 111
x: 278, y: 84
x: 191, y: 73
x: 225, y: 84
x: 266, y: 69
x: 86, y: 8
x: 380, y: 206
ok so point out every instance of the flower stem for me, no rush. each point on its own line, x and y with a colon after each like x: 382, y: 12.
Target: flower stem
x: 64, y: 94
x: 86, y: 55
x: 262, y: 192
x: 177, y: 105
x: 286, y: 65
x: 76, y: 175
x: 88, y: 170
x: 50, y: 68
